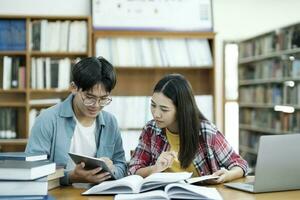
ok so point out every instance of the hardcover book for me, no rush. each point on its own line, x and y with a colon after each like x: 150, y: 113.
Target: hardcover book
x: 22, y: 156
x: 23, y: 170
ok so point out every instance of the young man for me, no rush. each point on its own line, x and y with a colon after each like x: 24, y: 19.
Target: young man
x: 79, y: 125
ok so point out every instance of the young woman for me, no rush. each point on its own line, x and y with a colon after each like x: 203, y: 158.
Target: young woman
x: 180, y: 138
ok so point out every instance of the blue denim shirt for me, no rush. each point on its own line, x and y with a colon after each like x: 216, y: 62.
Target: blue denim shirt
x: 53, y: 130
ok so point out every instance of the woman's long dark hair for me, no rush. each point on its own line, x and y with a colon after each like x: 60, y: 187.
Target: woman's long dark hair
x: 178, y: 89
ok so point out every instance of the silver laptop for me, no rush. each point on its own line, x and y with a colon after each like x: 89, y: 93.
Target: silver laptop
x: 277, y: 166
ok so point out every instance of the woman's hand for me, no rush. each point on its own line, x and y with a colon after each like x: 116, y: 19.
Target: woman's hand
x: 223, y: 174
x: 227, y: 175
x: 164, y: 161
x: 81, y: 175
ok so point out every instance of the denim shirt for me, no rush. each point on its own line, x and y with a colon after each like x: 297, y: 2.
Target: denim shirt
x: 53, y: 130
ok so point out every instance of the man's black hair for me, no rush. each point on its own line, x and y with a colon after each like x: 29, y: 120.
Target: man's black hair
x: 91, y: 71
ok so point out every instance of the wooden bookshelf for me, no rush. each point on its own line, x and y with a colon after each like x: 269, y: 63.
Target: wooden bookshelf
x: 18, y: 99
x: 269, y: 87
x: 139, y: 80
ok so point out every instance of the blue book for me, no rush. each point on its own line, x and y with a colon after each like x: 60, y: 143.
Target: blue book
x: 22, y: 156
x: 17, y: 35
x: 4, y: 34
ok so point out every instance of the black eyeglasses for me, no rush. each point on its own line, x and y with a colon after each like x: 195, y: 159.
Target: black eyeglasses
x: 90, y: 101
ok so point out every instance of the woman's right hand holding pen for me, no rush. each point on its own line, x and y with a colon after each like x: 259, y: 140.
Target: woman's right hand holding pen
x: 164, y: 161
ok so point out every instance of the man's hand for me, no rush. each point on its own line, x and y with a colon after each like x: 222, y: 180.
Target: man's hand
x: 81, y: 175
x: 164, y: 161
x: 108, y: 162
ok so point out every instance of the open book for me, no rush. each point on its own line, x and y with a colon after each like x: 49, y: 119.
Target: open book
x: 175, y: 191
x: 137, y: 184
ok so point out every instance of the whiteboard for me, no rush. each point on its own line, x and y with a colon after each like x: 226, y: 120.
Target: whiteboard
x: 180, y: 15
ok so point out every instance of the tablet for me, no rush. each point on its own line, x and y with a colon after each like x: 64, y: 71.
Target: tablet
x: 91, y: 163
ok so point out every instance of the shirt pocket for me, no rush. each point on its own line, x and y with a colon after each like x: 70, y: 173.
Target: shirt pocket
x: 107, y: 151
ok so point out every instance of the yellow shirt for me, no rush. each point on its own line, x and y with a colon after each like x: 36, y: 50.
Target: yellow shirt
x: 174, y: 142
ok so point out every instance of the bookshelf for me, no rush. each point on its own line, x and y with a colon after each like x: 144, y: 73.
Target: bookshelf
x: 137, y: 77
x: 141, y: 79
x: 36, y: 43
x: 269, y: 87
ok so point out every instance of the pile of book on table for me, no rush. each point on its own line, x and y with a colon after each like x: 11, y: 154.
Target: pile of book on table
x: 25, y: 176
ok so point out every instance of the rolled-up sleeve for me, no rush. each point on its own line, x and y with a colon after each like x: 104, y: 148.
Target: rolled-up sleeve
x: 142, y: 154
x: 225, y: 154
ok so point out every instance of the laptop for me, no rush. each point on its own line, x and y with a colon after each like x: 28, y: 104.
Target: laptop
x: 277, y: 166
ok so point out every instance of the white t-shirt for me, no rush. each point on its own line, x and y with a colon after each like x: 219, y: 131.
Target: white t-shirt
x: 83, y: 141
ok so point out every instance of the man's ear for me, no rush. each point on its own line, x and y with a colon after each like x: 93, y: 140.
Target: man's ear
x: 73, y: 87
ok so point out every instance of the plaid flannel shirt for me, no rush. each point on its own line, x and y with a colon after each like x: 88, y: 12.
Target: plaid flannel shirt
x: 213, y: 153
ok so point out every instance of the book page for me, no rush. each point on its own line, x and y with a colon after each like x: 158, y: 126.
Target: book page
x: 201, y: 179
x: 154, y: 194
x: 186, y: 191
x: 160, y: 179
x: 128, y: 184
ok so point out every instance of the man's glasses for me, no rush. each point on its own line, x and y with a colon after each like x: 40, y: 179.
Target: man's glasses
x: 90, y: 101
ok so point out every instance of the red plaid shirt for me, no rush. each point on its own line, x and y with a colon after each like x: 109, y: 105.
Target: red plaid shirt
x: 214, y: 151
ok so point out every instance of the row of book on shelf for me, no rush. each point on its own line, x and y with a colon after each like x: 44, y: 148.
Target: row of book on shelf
x: 270, y: 69
x: 27, y: 175
x: 8, y: 123
x: 270, y: 120
x: 45, y: 36
x: 271, y: 94
x: 58, y: 36
x: 149, y: 52
x: 45, y: 72
x: 49, y: 73
x: 12, y: 72
x: 250, y: 140
x: 282, y: 39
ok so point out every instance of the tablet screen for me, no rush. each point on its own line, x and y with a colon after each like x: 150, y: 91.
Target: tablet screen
x: 90, y: 163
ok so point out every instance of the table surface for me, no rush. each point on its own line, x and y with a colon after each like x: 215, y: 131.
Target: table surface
x: 71, y: 193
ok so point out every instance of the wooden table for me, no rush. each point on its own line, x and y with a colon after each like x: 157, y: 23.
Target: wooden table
x: 70, y: 193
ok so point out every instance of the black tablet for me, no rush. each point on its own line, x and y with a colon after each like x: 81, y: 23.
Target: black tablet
x: 91, y: 163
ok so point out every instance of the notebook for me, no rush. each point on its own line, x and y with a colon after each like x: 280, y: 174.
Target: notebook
x: 277, y: 166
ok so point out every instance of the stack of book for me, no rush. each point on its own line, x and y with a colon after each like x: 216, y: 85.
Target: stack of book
x: 53, y: 179
x: 24, y: 176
